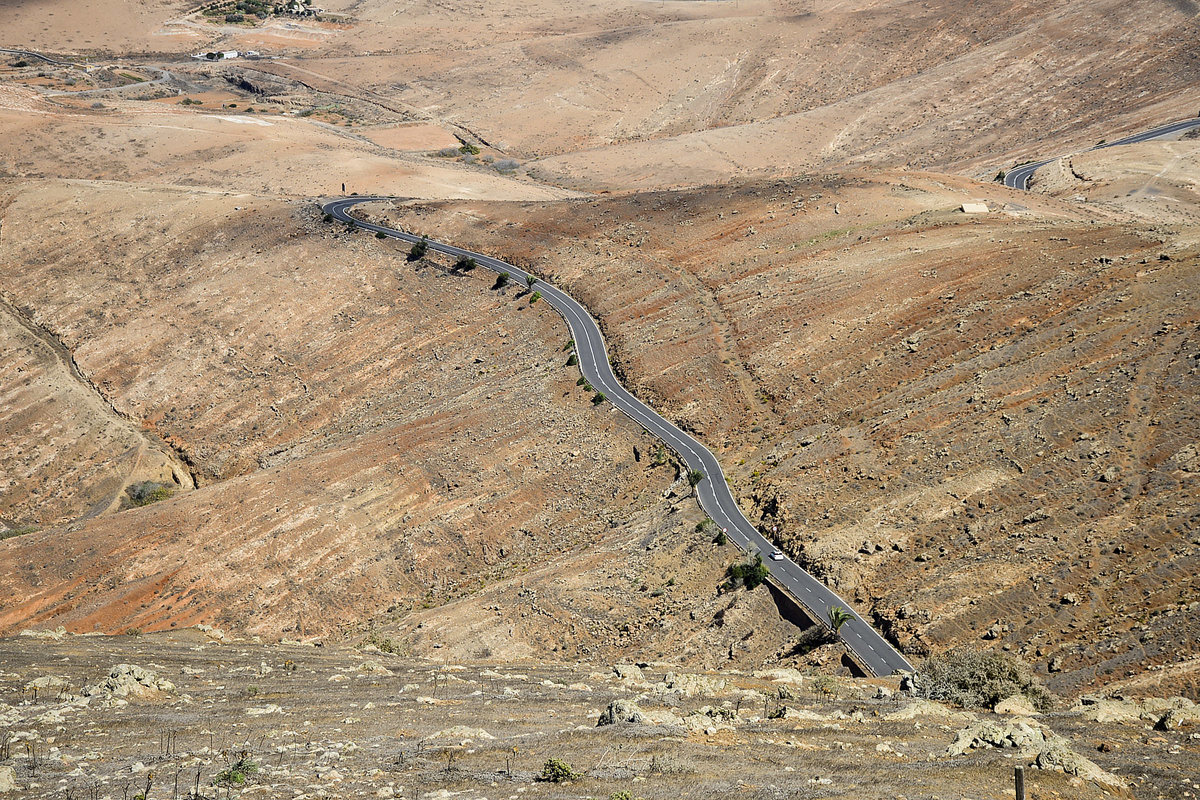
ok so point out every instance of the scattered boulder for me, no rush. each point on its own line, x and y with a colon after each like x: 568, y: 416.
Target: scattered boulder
x: 8, y: 780
x: 47, y: 685
x: 1052, y: 751
x: 629, y: 672
x: 57, y: 634
x: 930, y: 709
x: 803, y: 714
x: 783, y: 675
x: 371, y: 667
x: 710, y: 719
x: 621, y: 711
x: 1018, y: 705
x: 1059, y: 755
x: 1100, y: 709
x: 129, y: 680
x: 693, y: 685
x: 463, y: 734
x: 1018, y: 733
x: 1179, y: 717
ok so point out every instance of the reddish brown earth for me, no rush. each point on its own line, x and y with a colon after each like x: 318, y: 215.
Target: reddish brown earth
x: 355, y: 459
x: 982, y: 428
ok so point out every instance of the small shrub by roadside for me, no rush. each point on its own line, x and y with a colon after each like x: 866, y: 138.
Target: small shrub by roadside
x: 973, y: 678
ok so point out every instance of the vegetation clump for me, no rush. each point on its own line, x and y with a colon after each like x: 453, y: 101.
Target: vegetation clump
x: 20, y: 530
x: 972, y: 678
x: 555, y: 770
x: 749, y: 572
x: 418, y: 250
x: 145, y: 493
x: 238, y: 772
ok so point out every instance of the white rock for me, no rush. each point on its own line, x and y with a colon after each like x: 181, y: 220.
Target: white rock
x: 8, y: 780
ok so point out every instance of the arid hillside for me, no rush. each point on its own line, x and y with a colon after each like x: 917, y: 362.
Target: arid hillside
x: 644, y: 95
x: 217, y: 407
x: 981, y: 427
x: 633, y: 94
x: 369, y: 436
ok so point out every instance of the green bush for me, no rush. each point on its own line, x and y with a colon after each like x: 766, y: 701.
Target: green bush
x: 469, y: 149
x: 533, y: 298
x: 380, y: 235
x: 147, y: 492
x: 501, y: 280
x: 749, y: 572
x: 418, y: 250
x: 465, y: 264
x: 597, y: 398
x: 972, y: 678
x: 556, y: 770
x: 573, y: 360
x: 237, y: 773
x: 20, y: 530
x: 570, y: 343
x: 694, y: 477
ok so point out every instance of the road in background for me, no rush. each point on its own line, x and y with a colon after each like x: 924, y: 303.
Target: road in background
x: 1018, y: 177
x: 869, y: 647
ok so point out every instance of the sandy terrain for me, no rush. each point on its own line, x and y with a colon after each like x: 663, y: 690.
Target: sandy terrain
x: 1154, y: 181
x: 412, y: 137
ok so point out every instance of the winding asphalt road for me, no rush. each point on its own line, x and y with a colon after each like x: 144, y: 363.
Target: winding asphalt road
x: 872, y: 650
x: 1018, y: 177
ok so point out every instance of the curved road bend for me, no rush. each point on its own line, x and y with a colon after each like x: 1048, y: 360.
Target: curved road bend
x: 871, y: 649
x: 1019, y: 177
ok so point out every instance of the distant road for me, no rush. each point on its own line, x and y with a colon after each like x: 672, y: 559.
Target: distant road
x: 39, y: 56
x: 1019, y: 177
x: 871, y: 649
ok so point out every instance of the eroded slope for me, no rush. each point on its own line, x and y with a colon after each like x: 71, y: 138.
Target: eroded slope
x: 981, y: 428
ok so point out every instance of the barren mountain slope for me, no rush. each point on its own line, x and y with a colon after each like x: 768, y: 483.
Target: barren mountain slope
x: 219, y: 149
x: 370, y: 435
x: 634, y: 95
x: 648, y: 95
x: 981, y: 428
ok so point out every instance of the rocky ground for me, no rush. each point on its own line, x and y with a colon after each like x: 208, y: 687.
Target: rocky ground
x: 980, y: 427
x: 165, y: 715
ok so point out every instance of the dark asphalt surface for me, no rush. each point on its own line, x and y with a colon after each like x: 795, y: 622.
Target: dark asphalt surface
x: 872, y: 650
x: 1018, y: 177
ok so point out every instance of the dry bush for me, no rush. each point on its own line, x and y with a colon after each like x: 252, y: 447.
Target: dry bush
x: 971, y: 678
